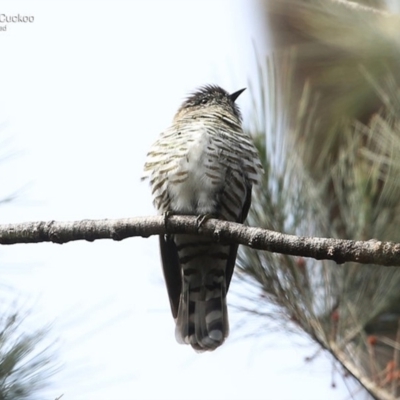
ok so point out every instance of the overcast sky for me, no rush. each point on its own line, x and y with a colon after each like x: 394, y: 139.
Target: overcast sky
x: 84, y: 90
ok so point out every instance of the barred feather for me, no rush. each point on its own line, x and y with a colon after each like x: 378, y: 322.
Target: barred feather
x: 203, y: 164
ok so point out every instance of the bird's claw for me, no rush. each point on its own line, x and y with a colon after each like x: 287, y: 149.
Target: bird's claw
x: 201, y: 219
x: 166, y: 215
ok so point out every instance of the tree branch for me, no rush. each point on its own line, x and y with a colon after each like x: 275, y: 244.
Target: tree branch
x: 340, y: 251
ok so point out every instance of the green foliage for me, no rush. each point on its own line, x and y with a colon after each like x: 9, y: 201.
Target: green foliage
x: 332, y: 168
x: 25, y: 363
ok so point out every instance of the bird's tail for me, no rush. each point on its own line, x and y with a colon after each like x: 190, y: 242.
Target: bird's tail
x: 202, y: 319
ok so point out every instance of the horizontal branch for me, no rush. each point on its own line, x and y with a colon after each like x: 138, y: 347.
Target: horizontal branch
x: 340, y: 251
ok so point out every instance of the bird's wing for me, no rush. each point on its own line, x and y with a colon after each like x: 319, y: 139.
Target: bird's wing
x: 172, y: 271
x: 231, y: 262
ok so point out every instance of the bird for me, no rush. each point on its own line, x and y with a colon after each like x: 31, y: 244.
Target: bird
x: 204, y: 164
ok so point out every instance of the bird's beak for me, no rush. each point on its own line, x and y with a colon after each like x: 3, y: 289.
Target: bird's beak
x: 235, y: 95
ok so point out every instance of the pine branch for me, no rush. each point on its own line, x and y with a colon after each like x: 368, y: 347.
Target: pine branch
x: 360, y: 7
x: 340, y: 251
x: 370, y: 386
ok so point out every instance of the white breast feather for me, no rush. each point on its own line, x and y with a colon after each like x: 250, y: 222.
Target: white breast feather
x: 197, y: 189
x: 178, y: 162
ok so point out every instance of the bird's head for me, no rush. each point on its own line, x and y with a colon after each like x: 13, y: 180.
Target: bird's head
x: 210, y: 98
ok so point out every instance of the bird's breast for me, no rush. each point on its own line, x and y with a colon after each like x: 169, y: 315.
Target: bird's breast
x: 194, y: 184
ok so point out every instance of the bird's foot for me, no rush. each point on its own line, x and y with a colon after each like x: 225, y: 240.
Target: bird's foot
x: 166, y: 215
x: 201, y: 219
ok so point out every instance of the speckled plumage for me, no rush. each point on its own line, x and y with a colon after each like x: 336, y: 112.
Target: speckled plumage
x: 203, y: 164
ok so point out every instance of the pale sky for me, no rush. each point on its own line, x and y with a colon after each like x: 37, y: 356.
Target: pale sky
x: 84, y: 90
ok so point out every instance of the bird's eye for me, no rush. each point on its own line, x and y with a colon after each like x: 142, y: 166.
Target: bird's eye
x: 204, y: 101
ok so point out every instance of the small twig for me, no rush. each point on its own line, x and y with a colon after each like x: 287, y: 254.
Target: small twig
x: 396, y: 357
x: 361, y: 7
x: 372, y: 388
